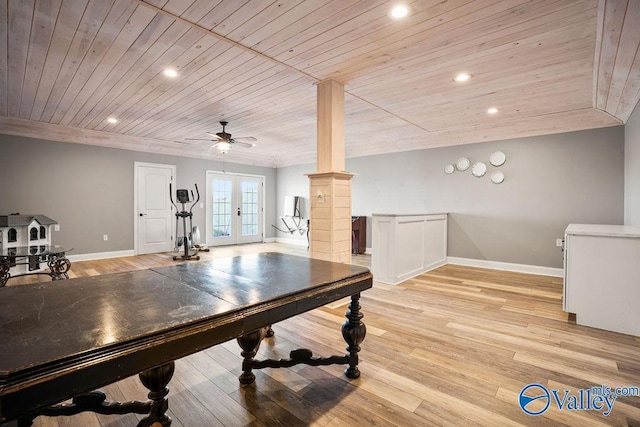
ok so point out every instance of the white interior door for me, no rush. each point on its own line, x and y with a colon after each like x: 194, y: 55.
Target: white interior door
x: 235, y: 211
x: 153, y: 211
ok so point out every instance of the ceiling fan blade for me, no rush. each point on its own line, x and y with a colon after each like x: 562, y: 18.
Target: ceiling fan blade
x: 216, y: 136
x: 200, y: 139
x: 243, y: 144
x: 245, y: 139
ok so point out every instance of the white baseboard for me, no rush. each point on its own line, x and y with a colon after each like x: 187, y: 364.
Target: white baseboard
x: 100, y: 255
x: 299, y: 242
x: 507, y: 266
x: 270, y: 240
x: 495, y: 265
x: 411, y: 274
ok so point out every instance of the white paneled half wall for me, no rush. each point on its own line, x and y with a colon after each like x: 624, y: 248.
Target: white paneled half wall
x: 407, y: 245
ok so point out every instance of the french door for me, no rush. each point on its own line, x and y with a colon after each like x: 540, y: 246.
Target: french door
x: 234, y: 209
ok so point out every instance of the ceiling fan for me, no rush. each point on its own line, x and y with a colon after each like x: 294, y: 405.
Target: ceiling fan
x: 224, y: 141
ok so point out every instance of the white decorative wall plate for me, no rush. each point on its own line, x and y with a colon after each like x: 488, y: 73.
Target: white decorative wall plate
x: 449, y: 169
x: 498, y: 158
x: 478, y: 169
x: 497, y: 177
x: 463, y: 164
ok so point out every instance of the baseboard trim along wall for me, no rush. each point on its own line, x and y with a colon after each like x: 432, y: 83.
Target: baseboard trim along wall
x: 298, y: 242
x: 100, y: 255
x: 507, y: 266
x: 495, y: 265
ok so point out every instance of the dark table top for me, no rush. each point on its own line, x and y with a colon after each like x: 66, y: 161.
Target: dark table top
x: 103, y: 322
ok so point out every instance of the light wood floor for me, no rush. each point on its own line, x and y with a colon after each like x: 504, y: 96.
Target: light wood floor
x: 451, y: 347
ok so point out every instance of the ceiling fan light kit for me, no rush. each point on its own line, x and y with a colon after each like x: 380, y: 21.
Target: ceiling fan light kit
x: 223, y: 141
x: 223, y: 146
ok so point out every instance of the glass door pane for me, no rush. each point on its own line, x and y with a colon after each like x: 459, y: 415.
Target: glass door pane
x: 251, y: 216
x: 222, y: 226
x: 234, y: 209
x: 249, y: 208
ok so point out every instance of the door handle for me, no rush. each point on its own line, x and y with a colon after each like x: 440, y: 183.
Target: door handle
x: 143, y: 214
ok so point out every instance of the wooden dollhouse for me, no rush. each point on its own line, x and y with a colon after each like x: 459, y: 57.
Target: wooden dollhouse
x: 20, y: 231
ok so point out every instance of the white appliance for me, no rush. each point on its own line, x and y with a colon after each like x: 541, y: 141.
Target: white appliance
x: 602, y: 276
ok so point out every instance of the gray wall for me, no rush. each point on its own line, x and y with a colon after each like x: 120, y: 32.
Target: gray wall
x: 632, y: 169
x: 89, y: 190
x: 551, y: 181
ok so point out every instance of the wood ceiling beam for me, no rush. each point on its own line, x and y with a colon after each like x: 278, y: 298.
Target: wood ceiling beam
x: 225, y: 39
x: 265, y: 57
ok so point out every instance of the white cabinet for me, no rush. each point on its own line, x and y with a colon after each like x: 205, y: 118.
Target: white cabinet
x: 602, y: 276
x: 404, y: 246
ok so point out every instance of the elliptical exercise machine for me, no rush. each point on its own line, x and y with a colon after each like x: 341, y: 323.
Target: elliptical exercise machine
x: 182, y: 196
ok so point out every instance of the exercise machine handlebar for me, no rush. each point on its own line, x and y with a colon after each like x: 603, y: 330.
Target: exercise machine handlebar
x: 180, y: 198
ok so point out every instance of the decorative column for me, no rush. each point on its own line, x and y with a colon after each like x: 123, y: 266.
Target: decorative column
x: 330, y: 187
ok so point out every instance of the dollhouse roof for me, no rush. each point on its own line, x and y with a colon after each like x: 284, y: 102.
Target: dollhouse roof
x: 24, y: 220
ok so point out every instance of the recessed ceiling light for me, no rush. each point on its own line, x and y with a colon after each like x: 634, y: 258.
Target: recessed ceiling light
x: 492, y: 110
x: 112, y: 120
x: 170, y: 72
x: 399, y: 11
x: 462, y: 77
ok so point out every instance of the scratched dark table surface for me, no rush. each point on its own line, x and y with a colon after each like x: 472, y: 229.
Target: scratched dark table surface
x: 52, y: 321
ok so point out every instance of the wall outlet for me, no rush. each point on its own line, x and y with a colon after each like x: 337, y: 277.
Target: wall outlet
x: 105, y: 237
x: 56, y: 227
x: 201, y: 205
x: 559, y: 242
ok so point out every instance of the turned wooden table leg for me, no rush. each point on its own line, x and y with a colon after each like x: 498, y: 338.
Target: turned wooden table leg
x: 249, y: 343
x: 353, y: 332
x: 156, y: 380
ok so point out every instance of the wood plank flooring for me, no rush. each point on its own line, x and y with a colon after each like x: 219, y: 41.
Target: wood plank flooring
x: 451, y: 347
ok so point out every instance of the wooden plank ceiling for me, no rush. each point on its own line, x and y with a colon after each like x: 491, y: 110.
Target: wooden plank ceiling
x: 549, y: 66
